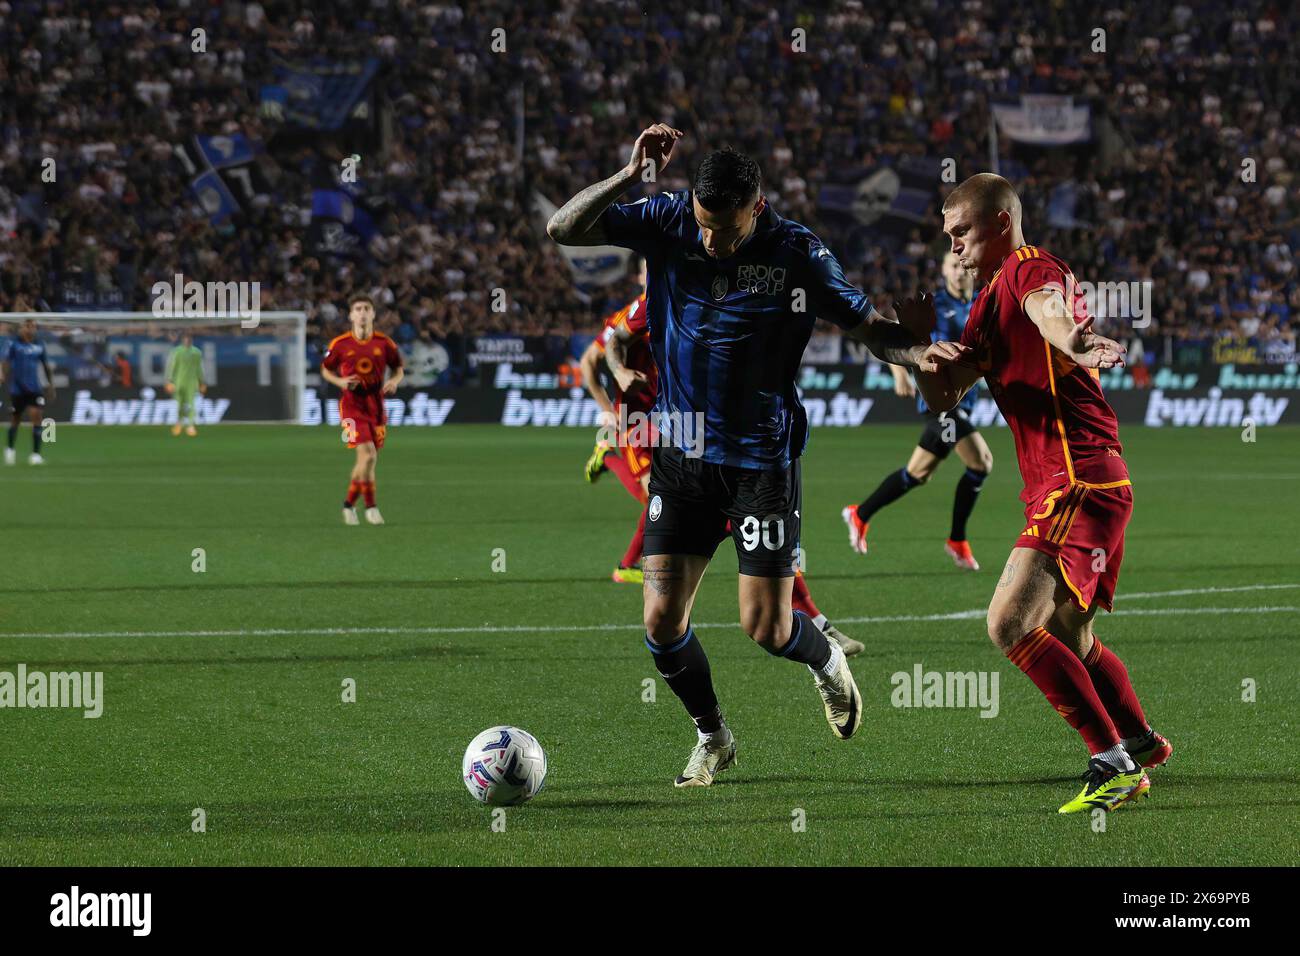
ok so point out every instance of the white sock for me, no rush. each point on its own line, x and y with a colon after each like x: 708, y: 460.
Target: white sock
x: 1117, y: 757
x: 832, y: 662
x: 820, y: 622
x: 719, y: 734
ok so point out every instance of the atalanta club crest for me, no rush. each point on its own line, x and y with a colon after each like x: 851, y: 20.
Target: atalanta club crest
x: 656, y: 508
x: 719, y: 287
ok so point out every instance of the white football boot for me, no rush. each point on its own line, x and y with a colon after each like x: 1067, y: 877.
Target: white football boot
x: 840, y: 694
x: 373, y: 516
x: 10, y: 457
x: 712, y: 754
x: 35, y: 459
x: 350, y: 516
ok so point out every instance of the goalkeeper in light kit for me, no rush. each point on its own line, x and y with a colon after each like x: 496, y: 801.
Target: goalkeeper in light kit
x: 357, y: 362
x: 185, y: 381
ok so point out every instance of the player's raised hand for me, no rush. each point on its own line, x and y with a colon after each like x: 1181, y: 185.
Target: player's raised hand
x: 939, y: 354
x: 917, y: 315
x: 655, y: 144
x: 1091, y: 350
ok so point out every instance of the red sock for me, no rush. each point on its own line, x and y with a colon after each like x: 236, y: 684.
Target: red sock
x: 633, y: 553
x: 1110, y: 678
x: 802, y: 600
x: 368, y: 489
x: 615, y: 463
x: 354, y: 492
x: 1065, y: 683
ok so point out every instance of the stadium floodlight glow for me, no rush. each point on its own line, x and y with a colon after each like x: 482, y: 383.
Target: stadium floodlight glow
x: 110, y: 367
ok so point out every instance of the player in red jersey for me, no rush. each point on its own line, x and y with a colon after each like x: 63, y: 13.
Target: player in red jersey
x: 636, y: 381
x: 1030, y: 337
x: 357, y: 362
x: 624, y: 343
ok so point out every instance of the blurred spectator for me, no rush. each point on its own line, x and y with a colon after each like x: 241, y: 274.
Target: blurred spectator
x: 1181, y: 100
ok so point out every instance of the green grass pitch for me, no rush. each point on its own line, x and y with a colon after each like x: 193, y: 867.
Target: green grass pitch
x: 223, y: 688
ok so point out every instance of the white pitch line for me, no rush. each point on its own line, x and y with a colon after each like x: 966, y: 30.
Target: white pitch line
x: 561, y: 629
x: 1211, y: 590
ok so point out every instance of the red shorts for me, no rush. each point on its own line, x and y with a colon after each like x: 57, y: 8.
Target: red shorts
x: 637, y: 459
x: 358, y: 431
x: 1082, y: 527
x: 636, y: 442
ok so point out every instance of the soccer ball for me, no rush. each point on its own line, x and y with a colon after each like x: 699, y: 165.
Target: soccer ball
x: 504, y: 766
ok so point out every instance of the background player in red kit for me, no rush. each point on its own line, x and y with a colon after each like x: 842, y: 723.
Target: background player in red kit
x: 1030, y: 337
x: 357, y: 362
x: 635, y: 378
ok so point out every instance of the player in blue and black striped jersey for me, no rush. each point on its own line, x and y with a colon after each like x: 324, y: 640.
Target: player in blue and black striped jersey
x: 943, y: 432
x: 23, y: 362
x: 732, y: 295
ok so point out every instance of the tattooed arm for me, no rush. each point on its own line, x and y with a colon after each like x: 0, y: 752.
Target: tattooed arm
x: 576, y: 223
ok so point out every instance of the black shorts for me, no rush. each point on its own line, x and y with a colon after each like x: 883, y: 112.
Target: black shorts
x: 692, y: 500
x: 25, y: 400
x: 938, y: 429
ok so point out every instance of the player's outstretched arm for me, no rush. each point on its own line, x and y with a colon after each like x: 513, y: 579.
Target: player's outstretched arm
x: 944, y: 389
x: 576, y: 223
x: 896, y: 344
x: 629, y: 379
x: 904, y: 387
x: 1046, y: 308
x: 588, y: 363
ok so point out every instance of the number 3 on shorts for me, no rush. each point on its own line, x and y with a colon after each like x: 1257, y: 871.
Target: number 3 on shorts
x: 771, y: 531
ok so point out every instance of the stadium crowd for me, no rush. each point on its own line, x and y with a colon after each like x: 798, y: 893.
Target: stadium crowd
x: 1181, y: 95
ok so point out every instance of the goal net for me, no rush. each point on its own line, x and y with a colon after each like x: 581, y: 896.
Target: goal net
x: 110, y: 368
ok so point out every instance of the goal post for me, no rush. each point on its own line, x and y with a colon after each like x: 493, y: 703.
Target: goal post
x: 110, y: 368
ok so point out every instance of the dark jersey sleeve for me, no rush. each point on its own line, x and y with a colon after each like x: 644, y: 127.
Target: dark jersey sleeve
x: 831, y: 296
x: 640, y: 225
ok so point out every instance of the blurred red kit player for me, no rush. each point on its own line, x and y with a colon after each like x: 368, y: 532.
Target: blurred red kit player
x: 357, y: 363
x: 1030, y: 336
x: 623, y: 343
